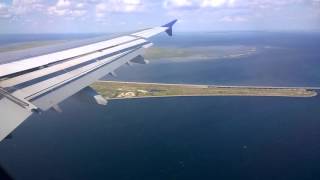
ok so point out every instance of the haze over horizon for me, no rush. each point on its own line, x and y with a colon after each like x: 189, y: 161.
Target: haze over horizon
x: 101, y: 16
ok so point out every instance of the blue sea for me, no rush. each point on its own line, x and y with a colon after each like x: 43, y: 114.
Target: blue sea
x: 182, y: 138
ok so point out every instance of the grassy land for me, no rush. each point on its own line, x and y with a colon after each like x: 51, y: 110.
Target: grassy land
x: 209, y: 52
x: 133, y: 90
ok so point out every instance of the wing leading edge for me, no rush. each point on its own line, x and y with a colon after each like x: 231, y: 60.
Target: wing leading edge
x: 40, y: 83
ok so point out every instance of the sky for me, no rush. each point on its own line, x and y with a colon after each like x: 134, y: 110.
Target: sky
x: 101, y: 16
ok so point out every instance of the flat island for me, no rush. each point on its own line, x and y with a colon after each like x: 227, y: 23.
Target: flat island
x: 199, y: 52
x: 124, y: 90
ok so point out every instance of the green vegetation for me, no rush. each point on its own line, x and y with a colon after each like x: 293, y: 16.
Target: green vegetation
x: 111, y: 89
x: 209, y: 52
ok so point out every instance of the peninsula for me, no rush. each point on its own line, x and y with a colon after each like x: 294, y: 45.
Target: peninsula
x: 124, y: 90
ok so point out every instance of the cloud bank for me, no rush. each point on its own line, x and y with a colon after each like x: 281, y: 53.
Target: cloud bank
x: 122, y: 15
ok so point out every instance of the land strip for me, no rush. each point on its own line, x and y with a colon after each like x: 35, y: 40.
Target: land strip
x: 124, y: 90
x: 199, y: 53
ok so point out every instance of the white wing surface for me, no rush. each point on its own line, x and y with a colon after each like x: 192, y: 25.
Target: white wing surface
x: 39, y: 83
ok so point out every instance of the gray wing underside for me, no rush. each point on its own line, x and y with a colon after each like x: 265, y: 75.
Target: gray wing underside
x: 39, y: 83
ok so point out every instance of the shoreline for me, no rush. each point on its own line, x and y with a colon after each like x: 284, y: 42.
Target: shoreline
x: 212, y: 85
x: 117, y: 90
x: 235, y: 95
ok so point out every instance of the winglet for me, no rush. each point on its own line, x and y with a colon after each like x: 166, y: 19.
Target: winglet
x: 169, y: 26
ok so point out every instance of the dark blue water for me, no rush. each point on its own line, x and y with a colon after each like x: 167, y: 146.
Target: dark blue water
x: 294, y: 60
x: 189, y: 137
x: 171, y: 138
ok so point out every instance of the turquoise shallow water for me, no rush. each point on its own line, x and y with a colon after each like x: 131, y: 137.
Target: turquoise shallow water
x: 187, y: 137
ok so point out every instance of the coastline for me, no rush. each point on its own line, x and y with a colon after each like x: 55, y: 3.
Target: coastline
x: 211, y: 85
x: 115, y: 90
x: 203, y: 95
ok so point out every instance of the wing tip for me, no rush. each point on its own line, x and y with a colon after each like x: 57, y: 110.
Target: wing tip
x: 169, y: 26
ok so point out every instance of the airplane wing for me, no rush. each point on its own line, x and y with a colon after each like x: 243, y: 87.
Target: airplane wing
x: 39, y: 83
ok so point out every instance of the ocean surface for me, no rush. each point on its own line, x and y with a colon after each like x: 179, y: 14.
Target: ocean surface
x: 185, y: 137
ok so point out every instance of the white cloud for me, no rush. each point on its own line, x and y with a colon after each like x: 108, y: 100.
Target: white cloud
x: 63, y: 4
x: 122, y: 5
x: 117, y: 6
x: 213, y: 3
x: 232, y: 2
x: 21, y: 7
x: 177, y: 3
x: 192, y: 4
x: 67, y: 8
x: 205, y: 13
x: 80, y: 5
x: 233, y: 19
x: 180, y: 4
x: 4, y: 11
x: 270, y: 4
x: 101, y: 10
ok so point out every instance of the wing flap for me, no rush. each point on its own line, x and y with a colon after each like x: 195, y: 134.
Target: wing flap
x: 66, y: 90
x: 37, y: 89
x: 12, y: 115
